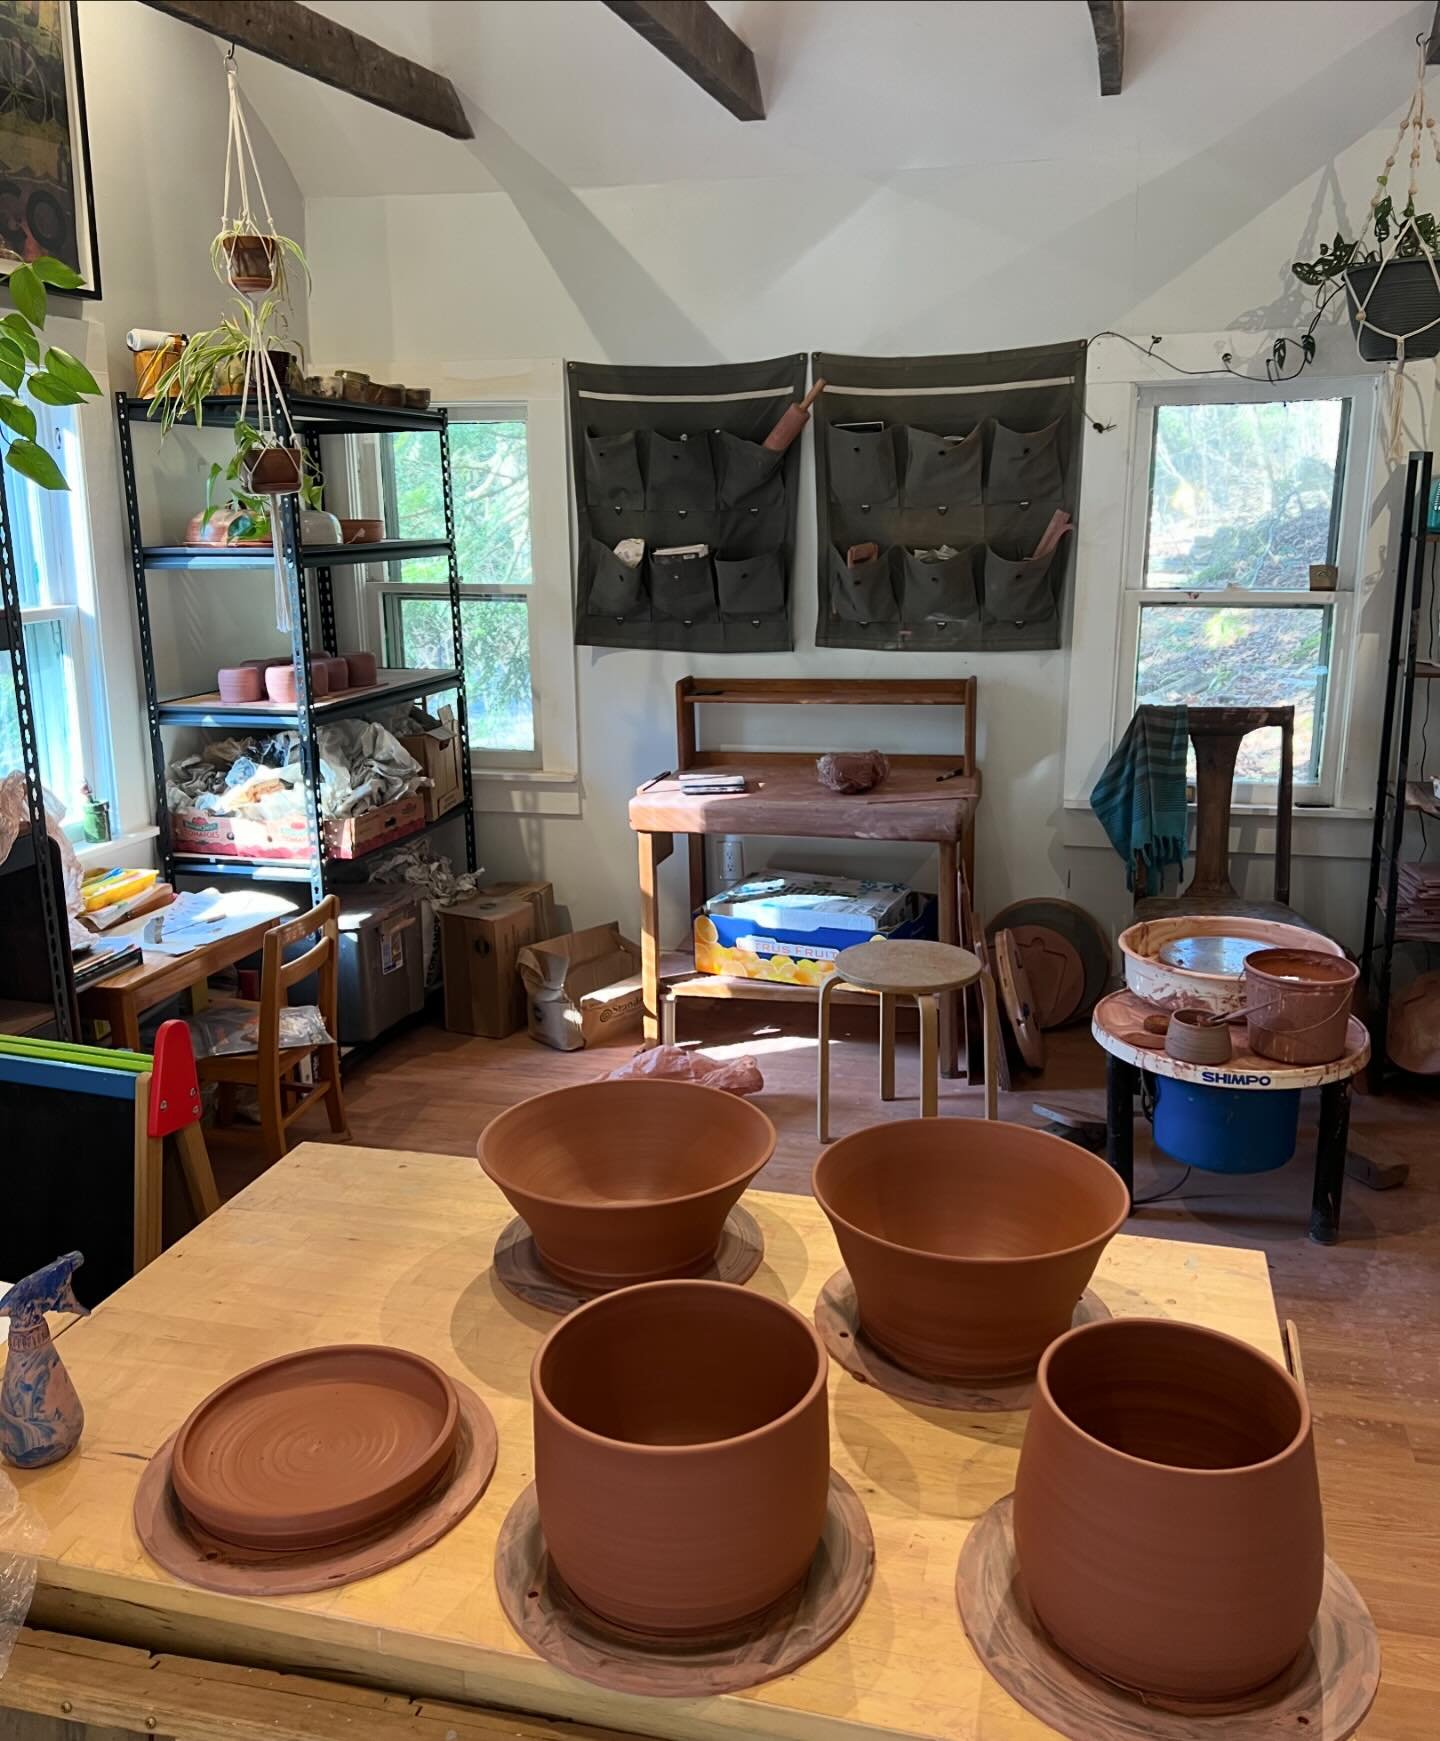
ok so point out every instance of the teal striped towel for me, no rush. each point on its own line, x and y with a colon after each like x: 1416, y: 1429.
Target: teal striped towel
x: 1140, y: 798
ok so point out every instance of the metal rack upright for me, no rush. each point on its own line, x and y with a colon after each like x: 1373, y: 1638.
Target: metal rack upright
x: 312, y: 418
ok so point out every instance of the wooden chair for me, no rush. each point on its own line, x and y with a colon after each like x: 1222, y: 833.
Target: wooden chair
x: 1216, y: 733
x: 271, y: 1069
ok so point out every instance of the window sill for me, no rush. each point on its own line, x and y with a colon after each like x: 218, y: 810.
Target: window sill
x: 1316, y: 831
x: 525, y: 791
x: 94, y: 851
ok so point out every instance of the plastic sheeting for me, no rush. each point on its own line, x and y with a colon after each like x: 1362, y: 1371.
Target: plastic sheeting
x: 362, y: 766
x: 22, y: 1540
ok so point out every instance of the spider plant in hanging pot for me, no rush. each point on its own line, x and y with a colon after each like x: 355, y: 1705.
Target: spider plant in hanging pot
x: 252, y: 260
x: 270, y: 464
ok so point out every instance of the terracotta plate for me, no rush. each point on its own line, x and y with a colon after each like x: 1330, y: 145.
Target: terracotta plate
x: 1079, y: 930
x: 316, y: 1446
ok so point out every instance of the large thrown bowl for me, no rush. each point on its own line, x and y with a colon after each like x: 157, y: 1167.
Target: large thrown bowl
x: 969, y: 1241
x: 624, y: 1182
x: 682, y: 1453
x: 1167, y: 1512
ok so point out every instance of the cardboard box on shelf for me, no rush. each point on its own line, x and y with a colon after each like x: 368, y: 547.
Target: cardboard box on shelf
x: 243, y: 837
x: 583, y: 987
x: 791, y: 926
x: 480, y: 940
x: 541, y: 897
x: 437, y: 749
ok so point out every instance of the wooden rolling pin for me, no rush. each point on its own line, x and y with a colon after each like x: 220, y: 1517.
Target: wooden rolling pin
x: 792, y: 420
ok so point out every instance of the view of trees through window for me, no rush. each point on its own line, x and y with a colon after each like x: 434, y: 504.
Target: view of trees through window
x: 1243, y: 497
x: 490, y: 480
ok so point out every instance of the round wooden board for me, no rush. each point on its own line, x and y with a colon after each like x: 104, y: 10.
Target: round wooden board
x: 1077, y: 927
x: 837, y: 1318
x: 1017, y: 1000
x: 1326, y: 1692
x: 571, y: 1637
x: 519, y: 1266
x: 1055, y: 970
x: 188, y: 1553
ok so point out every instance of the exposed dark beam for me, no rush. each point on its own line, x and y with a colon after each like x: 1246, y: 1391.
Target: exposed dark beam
x: 703, y: 46
x: 1432, y: 48
x: 1107, y: 20
x: 293, y: 35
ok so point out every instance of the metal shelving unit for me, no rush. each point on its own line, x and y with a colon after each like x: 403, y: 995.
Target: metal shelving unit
x: 33, y: 857
x: 1397, y: 796
x: 308, y: 571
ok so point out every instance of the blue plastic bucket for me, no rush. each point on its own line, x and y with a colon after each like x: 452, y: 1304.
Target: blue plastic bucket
x: 1226, y: 1130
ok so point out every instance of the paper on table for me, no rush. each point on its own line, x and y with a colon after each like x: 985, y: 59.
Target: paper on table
x: 193, y: 920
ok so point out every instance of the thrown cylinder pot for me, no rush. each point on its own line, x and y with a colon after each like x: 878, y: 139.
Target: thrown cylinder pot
x: 623, y: 1182
x: 969, y: 1241
x: 1167, y: 1511
x: 682, y: 1453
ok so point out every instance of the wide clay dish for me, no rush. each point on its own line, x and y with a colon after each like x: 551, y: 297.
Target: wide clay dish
x: 623, y: 1182
x: 316, y: 1446
x: 968, y: 1241
x: 682, y: 1453
x: 1167, y: 1511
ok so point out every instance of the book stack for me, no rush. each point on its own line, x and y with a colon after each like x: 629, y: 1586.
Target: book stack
x: 711, y: 785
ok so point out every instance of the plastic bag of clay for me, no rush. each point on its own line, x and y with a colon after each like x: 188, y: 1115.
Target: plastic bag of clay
x: 675, y: 1064
x: 15, y: 815
x: 22, y: 1537
x: 229, y: 1028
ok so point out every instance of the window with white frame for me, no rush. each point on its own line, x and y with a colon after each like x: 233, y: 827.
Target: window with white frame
x: 490, y: 485
x: 1237, y: 493
x: 56, y: 582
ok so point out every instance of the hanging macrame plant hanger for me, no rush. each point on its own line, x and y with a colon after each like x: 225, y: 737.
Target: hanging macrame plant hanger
x: 1397, y: 318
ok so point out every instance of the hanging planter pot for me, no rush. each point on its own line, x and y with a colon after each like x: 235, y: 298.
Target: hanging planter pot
x: 1403, y: 297
x: 271, y: 471
x: 250, y: 262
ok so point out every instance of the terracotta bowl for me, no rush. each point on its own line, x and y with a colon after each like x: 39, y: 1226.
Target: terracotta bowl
x: 280, y: 680
x: 969, y: 1242
x: 1167, y: 1512
x: 625, y: 1182
x: 313, y: 1448
x: 362, y: 531
x: 682, y: 1453
x: 362, y: 669
x: 239, y: 683
x: 337, y: 673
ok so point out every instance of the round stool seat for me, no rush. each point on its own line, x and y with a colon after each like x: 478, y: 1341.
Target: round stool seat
x: 909, y: 967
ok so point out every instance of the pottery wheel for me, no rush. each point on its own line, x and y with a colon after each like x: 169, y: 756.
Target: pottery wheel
x: 175, y: 1542
x: 559, y: 1628
x: 519, y: 1266
x: 1210, y: 954
x: 1326, y: 1691
x: 837, y: 1318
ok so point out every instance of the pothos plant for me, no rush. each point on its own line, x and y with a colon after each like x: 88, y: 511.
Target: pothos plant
x: 49, y: 376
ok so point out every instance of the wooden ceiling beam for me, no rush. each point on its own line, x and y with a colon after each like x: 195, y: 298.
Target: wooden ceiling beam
x: 1107, y: 20
x: 1432, y: 48
x: 699, y: 41
x: 309, y: 43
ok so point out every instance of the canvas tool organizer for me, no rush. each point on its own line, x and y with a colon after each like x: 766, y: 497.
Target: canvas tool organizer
x: 974, y: 453
x: 674, y: 457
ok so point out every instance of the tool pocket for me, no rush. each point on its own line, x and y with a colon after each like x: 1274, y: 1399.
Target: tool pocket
x: 1024, y: 464
x: 943, y: 471
x: 937, y: 594
x: 862, y: 467
x: 1018, y: 592
x: 751, y: 586
x: 866, y: 593
x: 679, y: 474
x: 682, y: 588
x: 612, y: 473
x: 746, y: 474
x: 616, y: 589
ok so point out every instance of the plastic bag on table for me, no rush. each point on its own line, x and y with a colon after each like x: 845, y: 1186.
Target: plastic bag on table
x: 15, y: 815
x: 22, y: 1538
x: 675, y: 1064
x: 229, y: 1028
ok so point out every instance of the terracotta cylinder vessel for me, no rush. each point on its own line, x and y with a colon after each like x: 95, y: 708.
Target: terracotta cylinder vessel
x: 625, y: 1182
x: 1167, y: 1511
x: 682, y: 1453
x: 969, y: 1242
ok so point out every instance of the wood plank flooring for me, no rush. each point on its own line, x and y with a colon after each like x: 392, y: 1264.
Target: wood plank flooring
x: 1368, y: 1309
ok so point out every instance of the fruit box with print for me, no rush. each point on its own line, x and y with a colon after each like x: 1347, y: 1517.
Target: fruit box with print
x: 791, y: 927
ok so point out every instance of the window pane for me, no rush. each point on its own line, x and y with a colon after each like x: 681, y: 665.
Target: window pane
x: 1244, y: 495
x: 57, y: 720
x: 1242, y: 657
x: 491, y: 482
x: 496, y: 635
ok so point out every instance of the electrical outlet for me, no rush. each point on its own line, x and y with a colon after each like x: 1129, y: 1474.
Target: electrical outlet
x: 732, y: 859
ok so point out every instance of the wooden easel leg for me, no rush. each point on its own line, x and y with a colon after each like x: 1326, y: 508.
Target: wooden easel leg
x: 149, y: 1165
x: 199, y: 1175
x: 948, y: 931
x: 822, y: 1049
x: 930, y: 1017
x: 654, y: 850
x: 887, y: 1046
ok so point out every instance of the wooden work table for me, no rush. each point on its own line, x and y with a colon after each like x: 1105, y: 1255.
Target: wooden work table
x: 371, y: 1245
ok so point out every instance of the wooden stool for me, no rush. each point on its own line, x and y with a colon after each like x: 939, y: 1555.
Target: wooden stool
x: 915, y: 969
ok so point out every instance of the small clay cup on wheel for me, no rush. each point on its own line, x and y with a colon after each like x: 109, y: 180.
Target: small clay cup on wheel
x: 1167, y: 1510
x: 969, y: 1241
x: 623, y: 1182
x: 682, y: 1453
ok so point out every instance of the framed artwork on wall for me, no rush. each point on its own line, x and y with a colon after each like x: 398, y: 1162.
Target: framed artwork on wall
x: 46, y: 203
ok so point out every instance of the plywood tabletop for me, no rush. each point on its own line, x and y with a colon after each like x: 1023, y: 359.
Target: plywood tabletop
x: 339, y: 1244
x: 782, y: 796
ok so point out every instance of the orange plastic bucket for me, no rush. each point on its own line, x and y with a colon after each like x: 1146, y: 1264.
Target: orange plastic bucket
x: 1298, y: 1004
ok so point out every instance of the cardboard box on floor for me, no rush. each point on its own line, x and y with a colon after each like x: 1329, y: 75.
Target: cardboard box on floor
x: 582, y: 987
x: 480, y: 940
x: 541, y: 897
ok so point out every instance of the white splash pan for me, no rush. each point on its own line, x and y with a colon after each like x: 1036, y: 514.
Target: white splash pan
x: 1178, y: 988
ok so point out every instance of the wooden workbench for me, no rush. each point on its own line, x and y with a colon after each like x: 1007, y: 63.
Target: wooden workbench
x: 352, y: 1244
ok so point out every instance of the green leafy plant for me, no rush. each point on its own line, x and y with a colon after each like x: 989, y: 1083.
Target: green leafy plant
x: 281, y: 250
x: 254, y: 522
x: 1337, y: 257
x: 48, y: 375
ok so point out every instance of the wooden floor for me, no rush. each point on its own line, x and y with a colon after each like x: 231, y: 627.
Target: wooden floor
x: 1368, y: 1309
